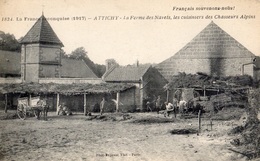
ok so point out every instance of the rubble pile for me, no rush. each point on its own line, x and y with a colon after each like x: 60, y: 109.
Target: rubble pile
x: 248, y: 139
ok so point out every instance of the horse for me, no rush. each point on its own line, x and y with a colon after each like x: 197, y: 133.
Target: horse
x: 41, y: 109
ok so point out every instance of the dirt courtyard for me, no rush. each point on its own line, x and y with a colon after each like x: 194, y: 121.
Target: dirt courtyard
x: 115, y: 137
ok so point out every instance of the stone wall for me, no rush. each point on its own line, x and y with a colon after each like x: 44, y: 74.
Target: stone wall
x: 10, y: 80
x: 211, y: 66
x: 70, y: 80
x: 30, y: 62
x: 50, y: 60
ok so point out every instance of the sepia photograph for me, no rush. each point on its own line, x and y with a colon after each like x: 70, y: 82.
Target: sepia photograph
x: 120, y: 80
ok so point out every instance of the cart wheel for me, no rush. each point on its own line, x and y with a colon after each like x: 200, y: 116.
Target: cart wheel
x: 21, y: 112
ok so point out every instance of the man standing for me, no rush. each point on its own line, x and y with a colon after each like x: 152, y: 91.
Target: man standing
x: 102, y: 105
x: 175, y: 106
x: 158, y: 104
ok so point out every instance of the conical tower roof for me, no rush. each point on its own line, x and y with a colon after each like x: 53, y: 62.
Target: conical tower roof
x: 213, y: 42
x: 41, y: 32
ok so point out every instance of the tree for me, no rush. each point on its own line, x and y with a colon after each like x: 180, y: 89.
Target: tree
x: 63, y: 54
x: 9, y: 43
x: 81, y: 53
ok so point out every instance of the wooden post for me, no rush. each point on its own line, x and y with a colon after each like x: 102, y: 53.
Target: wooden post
x: 30, y: 99
x: 211, y: 124
x: 242, y: 69
x: 117, y: 101
x: 199, y: 120
x: 57, y: 104
x: 167, y: 95
x: 6, y: 101
x: 204, y: 91
x: 85, y: 105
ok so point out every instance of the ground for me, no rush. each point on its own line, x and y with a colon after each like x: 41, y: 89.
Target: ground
x: 117, y: 137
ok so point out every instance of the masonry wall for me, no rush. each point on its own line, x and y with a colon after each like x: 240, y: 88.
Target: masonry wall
x: 70, y: 80
x: 138, y: 95
x: 50, y: 60
x: 127, y: 98
x: 49, y: 71
x: 38, y: 60
x: 153, y: 85
x: 30, y: 62
x: 10, y: 80
x: 213, y: 66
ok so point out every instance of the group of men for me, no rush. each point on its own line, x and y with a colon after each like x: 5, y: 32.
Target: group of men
x: 64, y: 110
x: 168, y: 107
x: 174, y: 107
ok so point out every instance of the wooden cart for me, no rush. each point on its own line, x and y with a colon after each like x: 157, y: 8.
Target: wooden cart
x: 35, y: 107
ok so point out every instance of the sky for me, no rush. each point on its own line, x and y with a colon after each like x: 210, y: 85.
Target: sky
x: 149, y: 31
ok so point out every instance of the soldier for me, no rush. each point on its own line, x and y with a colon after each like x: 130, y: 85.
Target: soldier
x: 158, y: 104
x: 102, y: 105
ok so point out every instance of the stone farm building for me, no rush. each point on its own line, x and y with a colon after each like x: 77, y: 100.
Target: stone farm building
x: 214, y: 52
x: 148, y: 81
x: 40, y: 70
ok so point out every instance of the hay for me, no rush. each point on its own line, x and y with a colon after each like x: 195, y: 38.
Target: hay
x: 110, y: 117
x: 152, y: 120
x: 183, y: 131
x: 9, y: 116
x: 249, y: 138
x: 229, y: 113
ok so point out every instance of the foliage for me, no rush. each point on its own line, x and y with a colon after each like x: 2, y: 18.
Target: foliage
x: 8, y: 42
x: 243, y: 80
x: 183, y: 80
x: 63, y: 54
x: 81, y: 53
x: 66, y: 89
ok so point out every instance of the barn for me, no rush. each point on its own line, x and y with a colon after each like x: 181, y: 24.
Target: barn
x: 214, y: 52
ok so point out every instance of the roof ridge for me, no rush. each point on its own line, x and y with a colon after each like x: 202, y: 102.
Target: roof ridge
x: 41, y: 32
x: 212, y: 24
x: 41, y: 19
x: 109, y: 71
x: 88, y: 67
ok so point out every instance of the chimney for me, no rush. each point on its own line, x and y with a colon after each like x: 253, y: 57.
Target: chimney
x: 107, y: 65
x: 137, y: 63
x: 110, y: 63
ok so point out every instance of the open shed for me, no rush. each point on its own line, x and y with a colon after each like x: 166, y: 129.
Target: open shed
x: 79, y: 97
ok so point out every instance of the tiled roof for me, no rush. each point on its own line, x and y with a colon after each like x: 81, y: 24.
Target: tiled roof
x: 10, y: 62
x: 73, y: 68
x: 213, y: 42
x: 41, y: 32
x: 126, y: 74
x: 207, y: 52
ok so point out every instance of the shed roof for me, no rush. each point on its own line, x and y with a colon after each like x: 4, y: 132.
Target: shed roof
x: 41, y: 32
x: 10, y: 62
x: 126, y: 74
x: 65, y: 89
x: 74, y: 68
